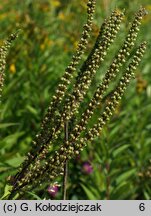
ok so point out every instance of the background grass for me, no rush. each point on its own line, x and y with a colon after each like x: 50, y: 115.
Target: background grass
x: 121, y: 156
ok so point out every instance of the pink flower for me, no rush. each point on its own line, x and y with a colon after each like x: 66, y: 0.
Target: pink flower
x: 53, y: 189
x: 87, y: 168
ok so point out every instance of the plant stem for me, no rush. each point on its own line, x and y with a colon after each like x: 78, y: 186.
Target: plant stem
x: 108, y: 182
x: 66, y: 129
x: 11, y: 195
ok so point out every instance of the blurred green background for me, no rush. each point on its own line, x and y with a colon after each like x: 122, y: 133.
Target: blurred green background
x: 120, y: 159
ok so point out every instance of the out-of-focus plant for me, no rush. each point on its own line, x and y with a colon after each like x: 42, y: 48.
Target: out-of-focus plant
x: 3, y: 54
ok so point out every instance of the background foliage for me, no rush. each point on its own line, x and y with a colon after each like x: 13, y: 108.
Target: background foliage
x: 120, y: 159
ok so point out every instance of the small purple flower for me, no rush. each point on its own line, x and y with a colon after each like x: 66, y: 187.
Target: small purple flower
x: 87, y: 168
x: 53, y: 189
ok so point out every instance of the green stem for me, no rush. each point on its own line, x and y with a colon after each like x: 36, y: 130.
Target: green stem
x: 65, y: 177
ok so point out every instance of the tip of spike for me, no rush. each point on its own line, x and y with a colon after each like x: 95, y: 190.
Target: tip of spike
x: 18, y: 31
x: 143, y: 11
x: 14, y: 35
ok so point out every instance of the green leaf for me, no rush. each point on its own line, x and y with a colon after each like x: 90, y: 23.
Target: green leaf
x: 34, y: 195
x: 32, y: 110
x: 89, y: 194
x: 114, y: 131
x: 119, y: 150
x: 146, y: 195
x: 15, y: 161
x: 7, y: 190
x: 4, y: 125
x: 125, y: 176
x: 10, y: 140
